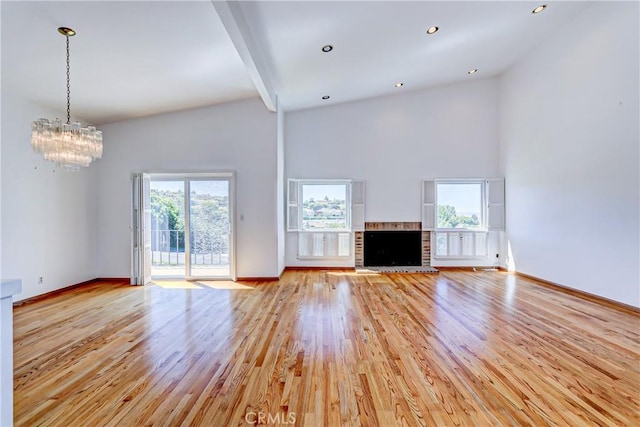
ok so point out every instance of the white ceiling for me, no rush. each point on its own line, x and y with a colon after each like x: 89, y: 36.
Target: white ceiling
x: 132, y: 59
x: 128, y: 59
x: 378, y: 44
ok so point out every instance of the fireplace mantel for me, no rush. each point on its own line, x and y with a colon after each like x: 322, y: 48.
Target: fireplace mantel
x: 392, y: 226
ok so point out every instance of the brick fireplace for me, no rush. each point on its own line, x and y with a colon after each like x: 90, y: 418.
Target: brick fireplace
x: 392, y: 226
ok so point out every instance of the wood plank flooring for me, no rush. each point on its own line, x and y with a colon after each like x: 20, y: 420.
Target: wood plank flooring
x: 327, y: 348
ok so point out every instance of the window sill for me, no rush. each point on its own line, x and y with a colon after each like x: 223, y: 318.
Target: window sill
x: 330, y: 230
x: 324, y: 258
x: 461, y: 230
x: 460, y: 257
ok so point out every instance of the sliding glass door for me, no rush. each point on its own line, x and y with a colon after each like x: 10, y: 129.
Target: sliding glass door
x: 167, y: 228
x: 192, y: 226
x: 209, y: 228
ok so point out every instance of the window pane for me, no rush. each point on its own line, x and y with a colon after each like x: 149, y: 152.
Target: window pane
x: 344, y: 244
x: 167, y: 228
x: 459, y: 205
x: 331, y: 242
x: 324, y: 207
x: 210, y: 228
x: 454, y: 244
x: 441, y: 244
x: 468, y: 244
x: 305, y: 241
x: 318, y: 244
x: 481, y: 244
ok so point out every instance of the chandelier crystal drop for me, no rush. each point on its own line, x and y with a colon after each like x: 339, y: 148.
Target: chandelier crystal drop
x: 70, y: 146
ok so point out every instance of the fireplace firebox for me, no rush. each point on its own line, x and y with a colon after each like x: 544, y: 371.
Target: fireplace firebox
x: 392, y: 248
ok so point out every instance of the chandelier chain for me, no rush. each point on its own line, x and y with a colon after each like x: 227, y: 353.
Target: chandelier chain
x: 68, y: 84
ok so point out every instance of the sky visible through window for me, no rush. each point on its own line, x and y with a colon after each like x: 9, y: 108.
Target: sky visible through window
x: 167, y: 185
x: 466, y: 198
x: 320, y: 191
x: 213, y: 188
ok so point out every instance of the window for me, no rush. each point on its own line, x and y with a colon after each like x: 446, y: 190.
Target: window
x: 325, y: 213
x: 460, y: 205
x: 324, y: 206
x: 461, y: 212
x: 460, y: 219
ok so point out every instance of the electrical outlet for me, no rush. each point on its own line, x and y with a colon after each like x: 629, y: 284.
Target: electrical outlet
x: 40, y: 280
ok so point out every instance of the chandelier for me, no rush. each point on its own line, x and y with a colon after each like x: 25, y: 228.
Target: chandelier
x: 70, y: 146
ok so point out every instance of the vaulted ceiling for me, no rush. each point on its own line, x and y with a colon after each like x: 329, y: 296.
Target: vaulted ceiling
x: 132, y: 59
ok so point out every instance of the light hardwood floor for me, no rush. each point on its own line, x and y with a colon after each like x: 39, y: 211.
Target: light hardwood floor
x: 327, y: 348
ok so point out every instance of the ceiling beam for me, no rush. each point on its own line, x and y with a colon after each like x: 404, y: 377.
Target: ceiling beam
x: 234, y: 22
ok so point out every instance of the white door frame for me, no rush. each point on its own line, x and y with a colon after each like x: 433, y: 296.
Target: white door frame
x: 230, y: 176
x: 140, y: 231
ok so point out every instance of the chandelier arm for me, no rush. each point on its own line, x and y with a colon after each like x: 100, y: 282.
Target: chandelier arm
x: 68, y: 83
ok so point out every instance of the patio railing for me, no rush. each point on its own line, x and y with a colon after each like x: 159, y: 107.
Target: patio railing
x: 168, y: 248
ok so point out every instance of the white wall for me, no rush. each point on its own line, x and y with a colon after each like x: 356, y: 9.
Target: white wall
x: 280, y: 192
x: 48, y: 215
x: 239, y: 136
x: 395, y: 142
x: 569, y: 148
x: 1, y: 275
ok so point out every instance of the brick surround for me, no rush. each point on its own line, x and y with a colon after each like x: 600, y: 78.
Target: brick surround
x: 392, y: 226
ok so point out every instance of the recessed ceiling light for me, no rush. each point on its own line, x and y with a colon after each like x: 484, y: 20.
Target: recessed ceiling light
x: 399, y: 84
x: 326, y: 97
x: 432, y: 30
x: 327, y: 48
x: 539, y: 8
x: 475, y: 70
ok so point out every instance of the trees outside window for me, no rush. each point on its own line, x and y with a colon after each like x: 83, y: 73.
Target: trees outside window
x: 460, y: 205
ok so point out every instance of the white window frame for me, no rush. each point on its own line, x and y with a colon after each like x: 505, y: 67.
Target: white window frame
x: 492, y: 217
x: 483, y: 203
x: 346, y: 183
x: 354, y: 194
